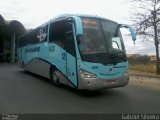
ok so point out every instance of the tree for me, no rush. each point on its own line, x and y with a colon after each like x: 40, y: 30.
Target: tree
x: 146, y: 20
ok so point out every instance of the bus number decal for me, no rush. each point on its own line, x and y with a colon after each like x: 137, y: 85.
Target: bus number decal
x: 63, y: 56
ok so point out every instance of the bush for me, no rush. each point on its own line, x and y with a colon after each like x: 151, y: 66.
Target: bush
x: 141, y: 63
x: 138, y: 59
x: 143, y: 67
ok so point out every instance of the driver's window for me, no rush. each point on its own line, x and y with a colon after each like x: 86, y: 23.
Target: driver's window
x: 116, y: 43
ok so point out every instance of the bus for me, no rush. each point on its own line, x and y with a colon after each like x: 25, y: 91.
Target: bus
x: 83, y: 51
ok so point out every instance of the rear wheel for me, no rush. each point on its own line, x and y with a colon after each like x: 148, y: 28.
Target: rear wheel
x: 55, y: 77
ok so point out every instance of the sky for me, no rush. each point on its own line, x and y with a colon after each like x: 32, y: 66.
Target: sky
x: 32, y: 13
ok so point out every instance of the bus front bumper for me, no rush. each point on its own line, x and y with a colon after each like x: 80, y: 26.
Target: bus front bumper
x: 95, y: 83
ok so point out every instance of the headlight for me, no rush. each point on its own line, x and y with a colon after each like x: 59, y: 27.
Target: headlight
x: 85, y: 74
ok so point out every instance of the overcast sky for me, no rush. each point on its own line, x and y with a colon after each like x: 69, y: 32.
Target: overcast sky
x: 33, y: 13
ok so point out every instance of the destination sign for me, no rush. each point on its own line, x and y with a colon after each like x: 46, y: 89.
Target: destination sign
x: 91, y: 22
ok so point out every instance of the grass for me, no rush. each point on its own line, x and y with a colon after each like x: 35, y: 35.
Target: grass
x: 148, y: 67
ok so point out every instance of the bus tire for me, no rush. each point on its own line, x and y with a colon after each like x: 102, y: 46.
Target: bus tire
x: 55, y: 77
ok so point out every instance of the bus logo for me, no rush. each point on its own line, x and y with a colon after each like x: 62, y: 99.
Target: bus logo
x: 110, y: 67
x: 42, y: 33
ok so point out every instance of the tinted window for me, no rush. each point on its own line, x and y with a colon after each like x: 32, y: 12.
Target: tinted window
x: 93, y: 40
x: 33, y: 37
x: 57, y: 33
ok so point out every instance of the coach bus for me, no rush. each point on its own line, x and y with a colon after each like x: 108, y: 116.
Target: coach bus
x: 82, y: 51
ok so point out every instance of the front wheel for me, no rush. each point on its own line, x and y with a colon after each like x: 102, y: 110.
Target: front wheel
x: 55, y: 77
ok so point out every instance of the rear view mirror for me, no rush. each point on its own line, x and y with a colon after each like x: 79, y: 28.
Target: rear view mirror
x: 78, y: 25
x: 133, y: 34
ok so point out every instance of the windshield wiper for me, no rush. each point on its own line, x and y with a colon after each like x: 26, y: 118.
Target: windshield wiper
x: 114, y: 55
x: 118, y: 56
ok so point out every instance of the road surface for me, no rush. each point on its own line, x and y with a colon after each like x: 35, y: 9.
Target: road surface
x: 28, y: 93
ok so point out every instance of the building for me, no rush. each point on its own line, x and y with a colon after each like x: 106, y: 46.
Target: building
x: 9, y: 31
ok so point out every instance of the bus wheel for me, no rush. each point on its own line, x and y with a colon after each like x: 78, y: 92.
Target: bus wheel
x: 55, y: 77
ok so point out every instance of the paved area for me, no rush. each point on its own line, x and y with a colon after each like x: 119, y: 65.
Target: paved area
x: 28, y: 93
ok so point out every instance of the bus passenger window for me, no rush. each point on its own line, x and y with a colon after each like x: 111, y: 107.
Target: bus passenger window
x: 42, y: 34
x: 57, y: 33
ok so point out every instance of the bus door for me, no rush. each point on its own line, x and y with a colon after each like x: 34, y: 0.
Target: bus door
x: 70, y: 53
x: 57, y: 53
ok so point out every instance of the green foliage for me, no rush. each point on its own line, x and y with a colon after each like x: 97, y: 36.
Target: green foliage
x: 138, y: 59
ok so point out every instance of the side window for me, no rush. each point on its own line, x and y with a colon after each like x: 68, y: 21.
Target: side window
x: 69, y: 39
x: 57, y: 33
x: 33, y: 37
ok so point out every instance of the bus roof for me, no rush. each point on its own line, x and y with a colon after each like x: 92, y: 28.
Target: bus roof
x: 65, y: 16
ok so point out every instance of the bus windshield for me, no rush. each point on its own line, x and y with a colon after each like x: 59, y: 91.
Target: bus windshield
x: 102, y: 38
